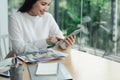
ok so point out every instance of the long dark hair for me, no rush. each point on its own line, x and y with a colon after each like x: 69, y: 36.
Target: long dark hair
x: 27, y: 5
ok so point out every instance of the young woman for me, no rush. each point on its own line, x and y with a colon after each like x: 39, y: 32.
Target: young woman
x: 32, y: 28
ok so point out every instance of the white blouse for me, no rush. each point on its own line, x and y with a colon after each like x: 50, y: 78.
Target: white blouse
x: 29, y: 33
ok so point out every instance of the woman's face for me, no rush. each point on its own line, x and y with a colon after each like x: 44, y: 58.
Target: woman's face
x: 40, y: 7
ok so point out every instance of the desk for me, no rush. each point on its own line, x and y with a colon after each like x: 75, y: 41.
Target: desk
x: 84, y: 66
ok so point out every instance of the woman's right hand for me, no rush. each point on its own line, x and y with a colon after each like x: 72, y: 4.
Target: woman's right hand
x: 53, y: 39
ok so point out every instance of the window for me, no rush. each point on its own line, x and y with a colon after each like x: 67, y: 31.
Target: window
x: 98, y: 18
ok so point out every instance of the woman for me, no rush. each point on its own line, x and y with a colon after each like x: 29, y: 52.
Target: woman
x: 33, y: 28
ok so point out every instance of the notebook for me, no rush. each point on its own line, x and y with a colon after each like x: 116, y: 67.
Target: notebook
x: 62, y: 73
x: 47, y: 69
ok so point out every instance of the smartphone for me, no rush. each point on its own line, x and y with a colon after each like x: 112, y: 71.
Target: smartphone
x: 61, y: 42
x: 76, y: 32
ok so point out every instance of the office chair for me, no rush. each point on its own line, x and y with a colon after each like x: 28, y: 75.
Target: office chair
x: 4, y: 46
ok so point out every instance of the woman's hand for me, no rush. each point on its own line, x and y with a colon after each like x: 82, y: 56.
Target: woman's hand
x: 53, y: 39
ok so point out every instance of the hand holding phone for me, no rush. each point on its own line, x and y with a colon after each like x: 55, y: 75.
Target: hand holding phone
x: 63, y: 44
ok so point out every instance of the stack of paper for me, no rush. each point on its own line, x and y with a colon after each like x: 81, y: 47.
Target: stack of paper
x: 5, y: 64
x: 47, y: 69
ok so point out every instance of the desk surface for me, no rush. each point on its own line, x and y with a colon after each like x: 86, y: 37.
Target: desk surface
x: 84, y: 66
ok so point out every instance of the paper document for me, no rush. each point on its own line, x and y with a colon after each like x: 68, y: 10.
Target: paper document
x: 47, y: 69
x: 42, y: 55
